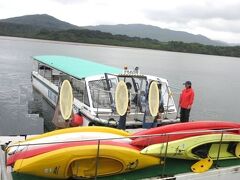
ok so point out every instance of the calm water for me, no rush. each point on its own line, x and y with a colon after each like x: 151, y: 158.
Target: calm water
x: 215, y: 79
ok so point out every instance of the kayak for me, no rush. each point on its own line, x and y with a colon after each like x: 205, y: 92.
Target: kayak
x: 35, y: 150
x: 71, y: 134
x: 198, y: 147
x: 182, y: 130
x: 80, y: 162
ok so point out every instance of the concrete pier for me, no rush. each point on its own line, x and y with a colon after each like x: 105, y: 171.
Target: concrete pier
x: 4, y: 174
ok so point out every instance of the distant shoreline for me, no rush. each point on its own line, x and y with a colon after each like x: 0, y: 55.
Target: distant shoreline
x: 86, y: 44
x: 74, y: 43
x: 95, y: 45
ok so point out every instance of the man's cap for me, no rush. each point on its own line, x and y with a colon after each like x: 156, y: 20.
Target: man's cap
x: 187, y: 83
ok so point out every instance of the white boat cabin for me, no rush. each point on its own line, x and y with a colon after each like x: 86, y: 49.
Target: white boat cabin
x: 94, y: 88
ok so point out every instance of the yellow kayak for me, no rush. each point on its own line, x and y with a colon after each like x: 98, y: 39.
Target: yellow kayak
x: 80, y: 161
x: 82, y: 129
x: 71, y: 134
x: 198, y: 147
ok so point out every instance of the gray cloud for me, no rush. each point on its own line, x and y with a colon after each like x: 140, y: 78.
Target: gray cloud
x: 218, y: 19
x: 212, y: 16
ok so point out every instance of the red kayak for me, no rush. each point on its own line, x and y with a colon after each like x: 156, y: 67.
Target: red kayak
x: 34, y: 150
x: 182, y: 130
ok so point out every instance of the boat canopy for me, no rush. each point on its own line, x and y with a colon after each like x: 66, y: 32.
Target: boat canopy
x: 76, y: 67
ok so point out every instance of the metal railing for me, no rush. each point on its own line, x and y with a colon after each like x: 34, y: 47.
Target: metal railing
x: 164, y: 157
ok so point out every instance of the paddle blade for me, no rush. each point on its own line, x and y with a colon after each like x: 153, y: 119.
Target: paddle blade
x: 202, y: 166
x: 66, y: 100
x: 153, y: 98
x: 121, y: 98
x: 237, y: 150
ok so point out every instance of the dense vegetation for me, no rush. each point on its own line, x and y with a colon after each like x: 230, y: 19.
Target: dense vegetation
x: 154, y: 32
x: 97, y: 37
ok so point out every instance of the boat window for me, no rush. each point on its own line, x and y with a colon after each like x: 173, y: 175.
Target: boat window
x: 45, y: 71
x: 56, y: 77
x: 80, y: 90
x: 101, y: 96
x: 137, y: 90
x: 35, y: 65
x: 85, y: 97
x: 168, y: 100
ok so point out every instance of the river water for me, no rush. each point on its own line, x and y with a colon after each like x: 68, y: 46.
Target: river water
x: 215, y: 79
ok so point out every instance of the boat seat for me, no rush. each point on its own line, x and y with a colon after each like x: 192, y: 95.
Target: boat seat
x: 202, y: 151
x: 87, y: 167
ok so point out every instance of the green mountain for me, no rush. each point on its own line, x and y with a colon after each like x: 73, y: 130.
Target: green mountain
x: 41, y: 21
x: 154, y: 32
x: 50, y: 28
x: 44, y: 21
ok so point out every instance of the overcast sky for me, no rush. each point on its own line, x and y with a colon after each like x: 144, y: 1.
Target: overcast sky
x: 216, y: 19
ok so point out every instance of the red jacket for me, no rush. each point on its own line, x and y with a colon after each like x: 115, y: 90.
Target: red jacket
x: 186, y: 98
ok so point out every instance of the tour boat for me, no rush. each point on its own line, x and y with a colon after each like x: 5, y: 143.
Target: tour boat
x: 94, y: 87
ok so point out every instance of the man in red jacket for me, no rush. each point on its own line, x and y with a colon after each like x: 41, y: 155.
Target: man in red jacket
x: 186, y: 101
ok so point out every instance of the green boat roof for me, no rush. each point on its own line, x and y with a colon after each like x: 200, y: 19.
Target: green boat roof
x: 78, y: 68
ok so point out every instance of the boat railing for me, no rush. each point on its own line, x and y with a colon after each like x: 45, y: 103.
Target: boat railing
x: 101, y: 99
x: 98, y: 142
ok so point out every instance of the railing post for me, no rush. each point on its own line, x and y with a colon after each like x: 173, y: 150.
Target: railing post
x: 169, y: 94
x: 97, y: 102
x: 165, y: 155
x: 97, y: 159
x: 219, y: 149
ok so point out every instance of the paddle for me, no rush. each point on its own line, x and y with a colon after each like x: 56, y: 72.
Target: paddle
x: 66, y: 100
x: 153, y: 99
x: 122, y: 103
x: 64, y: 106
x: 121, y: 98
x: 202, y: 165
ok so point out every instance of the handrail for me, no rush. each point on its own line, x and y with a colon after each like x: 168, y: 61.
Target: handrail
x: 97, y: 159
x: 219, y: 149
x: 130, y: 137
x: 222, y: 131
